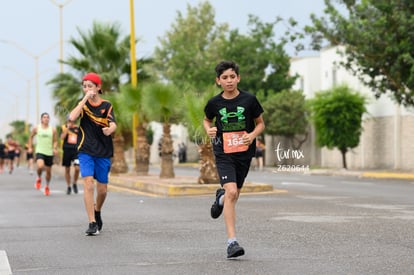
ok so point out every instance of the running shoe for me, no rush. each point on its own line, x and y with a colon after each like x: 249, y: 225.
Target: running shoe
x: 98, y: 220
x: 47, y: 191
x: 216, y: 208
x: 75, y: 188
x: 92, y: 229
x: 234, y: 250
x: 68, y: 191
x: 38, y: 183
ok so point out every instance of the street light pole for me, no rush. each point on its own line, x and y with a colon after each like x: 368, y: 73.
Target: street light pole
x: 36, y: 59
x: 134, y: 78
x: 61, y: 6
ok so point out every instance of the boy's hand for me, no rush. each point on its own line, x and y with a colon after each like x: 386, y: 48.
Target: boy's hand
x: 212, y: 132
x: 247, y: 139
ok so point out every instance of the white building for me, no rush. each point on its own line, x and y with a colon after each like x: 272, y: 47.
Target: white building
x: 388, y: 129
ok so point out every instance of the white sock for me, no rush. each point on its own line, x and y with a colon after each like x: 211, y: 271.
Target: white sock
x: 221, y: 200
x: 229, y: 241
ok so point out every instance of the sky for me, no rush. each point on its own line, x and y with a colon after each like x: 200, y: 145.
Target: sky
x: 31, y: 28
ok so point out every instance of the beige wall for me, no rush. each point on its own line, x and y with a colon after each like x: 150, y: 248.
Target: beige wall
x: 383, y: 145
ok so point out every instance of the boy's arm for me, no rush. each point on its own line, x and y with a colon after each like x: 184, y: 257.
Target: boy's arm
x: 211, y: 131
x: 258, y: 129
x: 109, y: 130
x: 74, y: 114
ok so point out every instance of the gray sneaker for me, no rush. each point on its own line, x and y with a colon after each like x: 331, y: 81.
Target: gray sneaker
x: 92, y: 229
x: 234, y: 250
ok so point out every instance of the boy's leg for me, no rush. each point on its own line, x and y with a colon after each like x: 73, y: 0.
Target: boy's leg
x: 75, y: 178
x: 75, y: 174
x: 48, y: 176
x: 67, y: 175
x: 230, y: 199
x: 102, y: 168
x: 100, y: 195
x: 88, y: 197
x: 100, y: 199
x: 229, y: 208
x: 40, y: 163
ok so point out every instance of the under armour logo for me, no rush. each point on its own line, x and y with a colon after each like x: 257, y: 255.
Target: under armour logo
x: 224, y: 177
x: 226, y: 115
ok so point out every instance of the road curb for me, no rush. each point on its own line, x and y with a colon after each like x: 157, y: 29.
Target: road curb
x: 188, y: 186
x: 388, y: 175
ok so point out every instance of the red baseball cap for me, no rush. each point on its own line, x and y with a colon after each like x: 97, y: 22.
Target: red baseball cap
x: 95, y: 78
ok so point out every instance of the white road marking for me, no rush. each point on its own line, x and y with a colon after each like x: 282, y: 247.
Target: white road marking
x: 4, y: 264
x: 306, y: 184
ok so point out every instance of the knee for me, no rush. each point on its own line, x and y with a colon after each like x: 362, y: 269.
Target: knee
x: 102, y: 191
x: 89, y: 185
x: 231, y: 194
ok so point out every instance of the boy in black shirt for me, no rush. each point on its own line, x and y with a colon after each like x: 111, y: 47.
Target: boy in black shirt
x: 237, y: 117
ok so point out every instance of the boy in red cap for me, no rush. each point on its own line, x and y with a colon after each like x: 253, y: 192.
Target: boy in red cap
x: 95, y: 148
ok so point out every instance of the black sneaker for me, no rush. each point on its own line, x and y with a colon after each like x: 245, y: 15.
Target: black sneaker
x: 75, y: 188
x: 234, y: 250
x: 92, y: 230
x: 98, y: 219
x: 68, y: 191
x: 216, y: 208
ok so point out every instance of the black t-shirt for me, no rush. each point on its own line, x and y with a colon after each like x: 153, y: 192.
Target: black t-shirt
x: 233, y: 115
x: 91, y: 140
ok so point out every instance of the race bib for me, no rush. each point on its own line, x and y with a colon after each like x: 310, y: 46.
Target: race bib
x: 72, y: 138
x: 233, y: 142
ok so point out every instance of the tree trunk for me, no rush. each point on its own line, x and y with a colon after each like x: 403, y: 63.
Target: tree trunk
x: 119, y: 164
x: 208, y: 170
x: 343, y: 152
x: 167, y: 149
x: 142, y: 152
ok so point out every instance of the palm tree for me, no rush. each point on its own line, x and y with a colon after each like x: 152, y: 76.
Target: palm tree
x: 132, y: 103
x: 123, y: 122
x: 194, y: 118
x: 160, y: 102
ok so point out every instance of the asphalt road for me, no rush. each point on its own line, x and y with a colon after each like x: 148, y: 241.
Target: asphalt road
x: 321, y: 225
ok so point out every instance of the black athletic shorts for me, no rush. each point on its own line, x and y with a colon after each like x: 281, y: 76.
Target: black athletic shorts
x: 69, y: 156
x: 11, y: 155
x: 47, y: 159
x: 29, y: 156
x: 231, y: 168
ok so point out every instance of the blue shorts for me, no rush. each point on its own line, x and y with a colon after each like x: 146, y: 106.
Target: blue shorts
x: 96, y: 167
